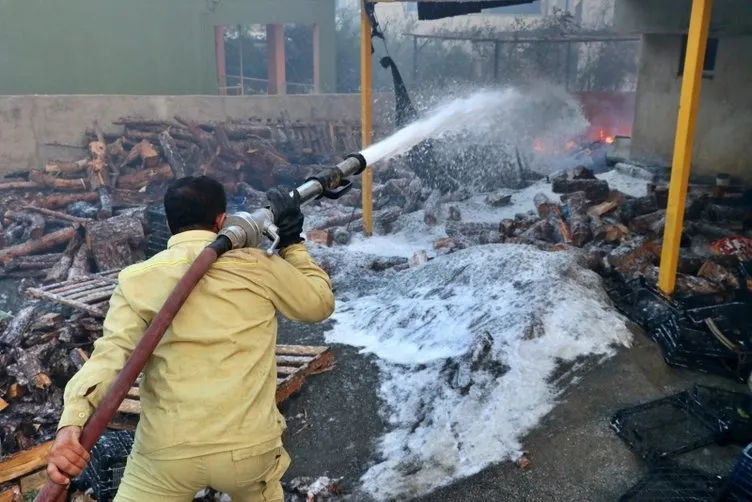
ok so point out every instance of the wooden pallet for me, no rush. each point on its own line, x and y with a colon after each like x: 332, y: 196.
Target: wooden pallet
x: 89, y: 294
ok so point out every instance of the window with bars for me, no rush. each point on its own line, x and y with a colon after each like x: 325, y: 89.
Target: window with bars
x: 711, y: 52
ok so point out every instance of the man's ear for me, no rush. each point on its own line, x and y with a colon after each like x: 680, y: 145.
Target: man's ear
x: 220, y: 221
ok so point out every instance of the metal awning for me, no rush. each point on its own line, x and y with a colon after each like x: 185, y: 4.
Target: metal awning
x: 440, y: 9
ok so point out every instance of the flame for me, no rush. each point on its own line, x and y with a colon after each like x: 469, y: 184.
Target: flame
x: 571, y: 145
x: 604, y: 138
x: 538, y: 145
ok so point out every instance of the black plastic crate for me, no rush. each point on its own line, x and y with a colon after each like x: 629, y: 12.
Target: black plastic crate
x: 158, y: 233
x: 668, y: 482
x: 712, y: 339
x: 667, y: 427
x: 734, y: 409
x: 745, y: 270
x: 107, y: 465
x: 739, y: 486
x: 643, y: 305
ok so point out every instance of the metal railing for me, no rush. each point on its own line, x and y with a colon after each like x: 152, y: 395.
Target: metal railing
x: 235, y: 85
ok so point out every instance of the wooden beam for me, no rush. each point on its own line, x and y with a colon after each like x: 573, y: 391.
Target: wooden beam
x: 219, y: 51
x: 316, y: 59
x: 25, y: 462
x: 689, y: 102
x: 275, y: 47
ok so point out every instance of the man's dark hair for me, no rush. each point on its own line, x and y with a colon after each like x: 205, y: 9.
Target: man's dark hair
x: 193, y: 203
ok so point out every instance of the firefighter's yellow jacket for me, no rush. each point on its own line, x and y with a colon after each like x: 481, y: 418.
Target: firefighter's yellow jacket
x: 210, y: 384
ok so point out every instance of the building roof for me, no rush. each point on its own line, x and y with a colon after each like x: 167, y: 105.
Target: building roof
x: 439, y: 9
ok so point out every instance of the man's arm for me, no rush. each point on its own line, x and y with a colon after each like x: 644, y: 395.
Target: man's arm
x: 123, y: 328
x: 298, y: 288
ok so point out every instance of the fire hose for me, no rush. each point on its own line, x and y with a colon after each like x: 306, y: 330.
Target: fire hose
x: 239, y: 230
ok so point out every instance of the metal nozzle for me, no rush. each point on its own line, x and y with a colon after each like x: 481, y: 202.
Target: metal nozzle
x: 248, y: 229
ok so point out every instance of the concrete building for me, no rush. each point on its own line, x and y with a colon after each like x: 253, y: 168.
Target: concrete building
x: 168, y: 47
x: 590, y: 13
x: 724, y: 120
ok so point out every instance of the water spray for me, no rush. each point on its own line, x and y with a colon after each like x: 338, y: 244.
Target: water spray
x: 244, y: 229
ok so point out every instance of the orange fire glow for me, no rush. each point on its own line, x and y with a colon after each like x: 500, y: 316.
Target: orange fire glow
x: 603, y: 137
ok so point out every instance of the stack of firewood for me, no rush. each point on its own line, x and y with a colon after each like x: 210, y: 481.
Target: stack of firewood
x: 55, y: 246
x: 39, y: 352
x: 623, y: 234
x: 151, y: 152
x: 58, y: 221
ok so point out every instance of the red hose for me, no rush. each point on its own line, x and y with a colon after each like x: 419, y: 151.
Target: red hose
x: 52, y: 492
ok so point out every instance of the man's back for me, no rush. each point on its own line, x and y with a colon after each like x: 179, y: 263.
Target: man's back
x: 210, y: 384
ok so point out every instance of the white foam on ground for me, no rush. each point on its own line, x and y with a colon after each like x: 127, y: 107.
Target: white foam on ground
x: 452, y: 413
x: 636, y: 187
x: 404, y: 244
x: 450, y: 417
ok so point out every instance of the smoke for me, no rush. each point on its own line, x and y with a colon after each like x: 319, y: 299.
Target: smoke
x: 523, y: 134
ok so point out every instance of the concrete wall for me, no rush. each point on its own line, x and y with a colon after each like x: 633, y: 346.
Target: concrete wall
x: 163, y: 47
x: 730, y: 17
x: 35, y: 129
x: 724, y: 123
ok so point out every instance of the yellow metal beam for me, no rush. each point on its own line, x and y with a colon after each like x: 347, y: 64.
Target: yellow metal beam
x: 366, y: 116
x: 697, y: 41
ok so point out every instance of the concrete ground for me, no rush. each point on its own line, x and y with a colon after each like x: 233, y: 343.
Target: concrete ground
x: 334, y: 425
x: 574, y: 454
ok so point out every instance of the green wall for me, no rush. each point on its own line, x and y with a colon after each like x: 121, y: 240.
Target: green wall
x: 157, y: 47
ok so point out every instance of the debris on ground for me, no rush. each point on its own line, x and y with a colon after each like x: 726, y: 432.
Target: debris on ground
x: 81, y: 220
x: 308, y: 489
x: 523, y: 462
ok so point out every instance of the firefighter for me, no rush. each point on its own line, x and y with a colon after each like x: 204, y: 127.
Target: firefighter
x: 209, y: 416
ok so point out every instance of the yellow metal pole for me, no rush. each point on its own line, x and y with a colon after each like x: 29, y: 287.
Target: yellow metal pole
x: 366, y: 116
x: 689, y: 102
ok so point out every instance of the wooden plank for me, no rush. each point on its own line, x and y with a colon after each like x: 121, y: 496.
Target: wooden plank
x: 287, y: 370
x: 97, y: 290
x: 289, y: 386
x: 291, y: 373
x: 294, y: 382
x: 11, y: 494
x: 300, y: 350
x: 25, y: 462
x: 130, y: 406
x: 89, y: 294
x: 292, y: 360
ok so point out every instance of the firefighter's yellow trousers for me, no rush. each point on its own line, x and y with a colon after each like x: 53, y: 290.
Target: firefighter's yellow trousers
x: 243, y: 476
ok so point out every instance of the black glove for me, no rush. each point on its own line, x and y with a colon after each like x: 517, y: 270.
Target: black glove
x: 287, y: 216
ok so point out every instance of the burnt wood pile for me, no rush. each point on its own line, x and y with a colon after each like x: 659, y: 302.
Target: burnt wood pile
x: 40, y: 350
x: 623, y: 235
x: 69, y: 219
x: 616, y: 234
